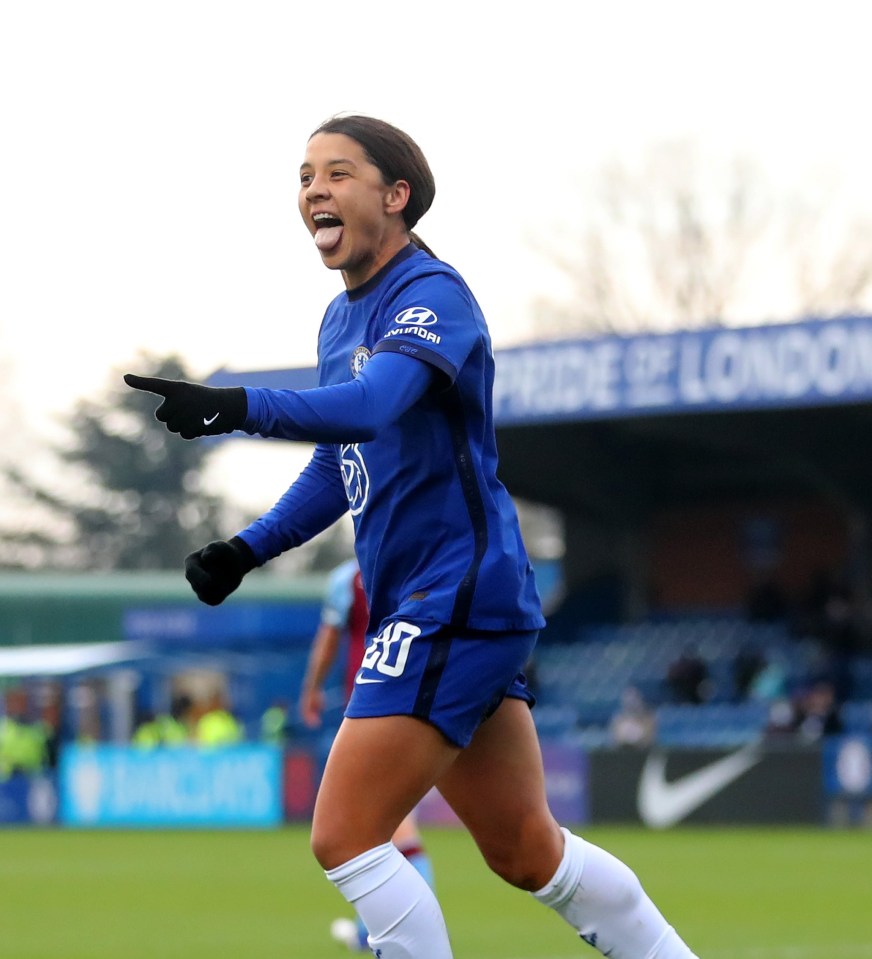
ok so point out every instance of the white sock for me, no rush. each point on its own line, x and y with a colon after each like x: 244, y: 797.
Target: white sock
x: 395, y: 903
x: 603, y: 900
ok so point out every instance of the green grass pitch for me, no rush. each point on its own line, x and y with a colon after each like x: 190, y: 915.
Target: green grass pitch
x: 732, y: 893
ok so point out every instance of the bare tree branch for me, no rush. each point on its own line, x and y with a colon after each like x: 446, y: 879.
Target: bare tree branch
x: 683, y: 241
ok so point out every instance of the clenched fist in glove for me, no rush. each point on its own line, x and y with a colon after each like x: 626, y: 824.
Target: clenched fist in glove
x: 217, y: 569
x: 192, y: 410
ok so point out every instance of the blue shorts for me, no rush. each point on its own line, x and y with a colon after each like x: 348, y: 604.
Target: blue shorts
x: 452, y: 679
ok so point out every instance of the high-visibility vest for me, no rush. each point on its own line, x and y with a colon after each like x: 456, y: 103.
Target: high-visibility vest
x: 218, y: 728
x: 272, y: 725
x: 23, y: 747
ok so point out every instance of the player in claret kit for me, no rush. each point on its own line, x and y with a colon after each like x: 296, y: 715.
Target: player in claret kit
x: 403, y: 423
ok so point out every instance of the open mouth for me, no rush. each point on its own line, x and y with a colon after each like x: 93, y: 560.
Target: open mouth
x: 328, y: 231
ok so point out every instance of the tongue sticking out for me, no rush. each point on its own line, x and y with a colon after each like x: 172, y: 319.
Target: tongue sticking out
x: 328, y: 237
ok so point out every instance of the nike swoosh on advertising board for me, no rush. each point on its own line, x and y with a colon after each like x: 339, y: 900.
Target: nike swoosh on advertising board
x: 663, y: 803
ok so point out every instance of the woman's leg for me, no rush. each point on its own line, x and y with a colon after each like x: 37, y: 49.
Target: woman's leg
x: 377, y: 772
x: 407, y: 838
x: 497, y: 789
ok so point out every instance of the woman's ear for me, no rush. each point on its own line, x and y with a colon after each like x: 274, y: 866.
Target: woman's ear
x: 397, y: 196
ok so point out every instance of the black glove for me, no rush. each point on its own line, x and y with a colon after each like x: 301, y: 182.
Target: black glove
x: 217, y: 569
x: 192, y: 410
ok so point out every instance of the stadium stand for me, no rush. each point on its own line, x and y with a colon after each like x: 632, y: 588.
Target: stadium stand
x: 579, y: 683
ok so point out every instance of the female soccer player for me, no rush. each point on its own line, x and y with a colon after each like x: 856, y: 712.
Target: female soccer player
x: 405, y: 438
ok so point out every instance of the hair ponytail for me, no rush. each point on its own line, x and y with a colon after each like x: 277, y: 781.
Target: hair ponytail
x: 421, y: 244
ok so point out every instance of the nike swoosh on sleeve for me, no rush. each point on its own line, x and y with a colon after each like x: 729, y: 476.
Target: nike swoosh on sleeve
x: 663, y: 803
x: 209, y: 422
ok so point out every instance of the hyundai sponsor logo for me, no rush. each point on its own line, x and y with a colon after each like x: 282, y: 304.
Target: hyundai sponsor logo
x: 416, y: 316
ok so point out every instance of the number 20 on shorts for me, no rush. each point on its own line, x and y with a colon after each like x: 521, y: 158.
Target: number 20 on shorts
x: 389, y: 651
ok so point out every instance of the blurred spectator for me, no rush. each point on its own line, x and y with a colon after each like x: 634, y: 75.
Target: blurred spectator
x: 52, y: 723
x: 809, y: 717
x: 165, y: 729
x: 817, y: 712
x: 634, y: 724
x: 781, y: 721
x: 274, y: 726
x: 833, y: 616
x: 23, y: 746
x: 176, y: 727
x: 756, y: 677
x: 769, y: 684
x: 688, y: 679
x: 85, y: 700
x: 747, y: 665
x: 146, y: 735
x: 217, y: 726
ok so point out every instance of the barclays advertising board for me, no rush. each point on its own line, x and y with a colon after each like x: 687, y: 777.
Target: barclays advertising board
x: 816, y: 362
x: 234, y: 786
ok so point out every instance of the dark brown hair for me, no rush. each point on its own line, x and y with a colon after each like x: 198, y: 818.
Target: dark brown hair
x: 397, y: 157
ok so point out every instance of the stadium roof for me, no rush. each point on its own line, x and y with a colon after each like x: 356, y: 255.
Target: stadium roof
x: 614, y: 426
x: 66, y: 659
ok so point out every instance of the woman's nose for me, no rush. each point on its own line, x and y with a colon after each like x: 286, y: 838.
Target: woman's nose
x: 317, y: 189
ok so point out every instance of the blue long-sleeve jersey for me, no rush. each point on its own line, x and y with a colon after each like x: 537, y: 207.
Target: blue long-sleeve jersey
x: 406, y: 442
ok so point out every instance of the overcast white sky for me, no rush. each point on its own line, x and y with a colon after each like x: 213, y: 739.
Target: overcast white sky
x: 149, y: 154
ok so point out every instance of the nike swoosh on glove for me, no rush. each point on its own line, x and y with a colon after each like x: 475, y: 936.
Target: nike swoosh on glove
x: 218, y: 568
x: 192, y: 410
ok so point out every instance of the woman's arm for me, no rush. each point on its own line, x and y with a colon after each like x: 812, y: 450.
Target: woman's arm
x: 352, y: 412
x: 314, y: 501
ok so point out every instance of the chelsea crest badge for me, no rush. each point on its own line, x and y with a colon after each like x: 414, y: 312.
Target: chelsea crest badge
x: 358, y: 359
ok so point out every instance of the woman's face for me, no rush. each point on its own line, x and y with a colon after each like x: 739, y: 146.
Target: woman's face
x: 354, y: 217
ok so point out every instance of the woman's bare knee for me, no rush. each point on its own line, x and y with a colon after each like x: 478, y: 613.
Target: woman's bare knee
x: 364, y: 795
x: 327, y: 848
x: 337, y: 836
x: 526, y: 857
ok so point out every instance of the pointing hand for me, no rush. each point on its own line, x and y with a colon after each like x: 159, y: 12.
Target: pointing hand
x: 192, y: 410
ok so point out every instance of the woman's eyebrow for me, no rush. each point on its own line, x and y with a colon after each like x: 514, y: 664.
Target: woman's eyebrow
x: 338, y: 162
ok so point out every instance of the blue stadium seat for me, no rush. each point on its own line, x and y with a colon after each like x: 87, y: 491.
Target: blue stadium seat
x: 711, y: 725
